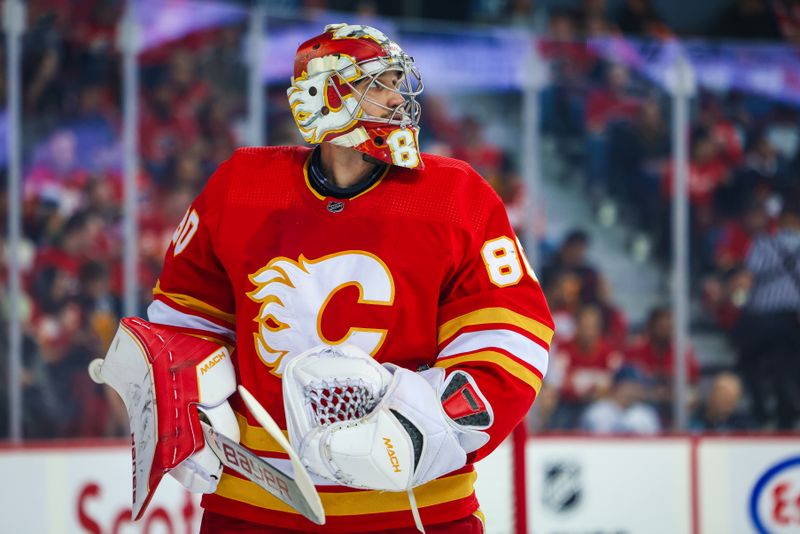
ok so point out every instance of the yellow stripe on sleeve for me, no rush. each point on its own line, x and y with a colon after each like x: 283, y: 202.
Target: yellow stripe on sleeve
x: 441, y: 490
x: 255, y: 437
x: 480, y: 515
x: 192, y: 303
x: 501, y: 360
x: 495, y: 316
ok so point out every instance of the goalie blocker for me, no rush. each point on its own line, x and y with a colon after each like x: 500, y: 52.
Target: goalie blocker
x: 148, y: 362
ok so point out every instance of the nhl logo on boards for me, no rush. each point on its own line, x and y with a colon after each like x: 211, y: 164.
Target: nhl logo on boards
x: 562, y: 486
x: 335, y: 206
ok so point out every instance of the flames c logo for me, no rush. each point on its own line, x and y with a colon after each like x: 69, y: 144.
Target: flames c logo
x: 294, y: 294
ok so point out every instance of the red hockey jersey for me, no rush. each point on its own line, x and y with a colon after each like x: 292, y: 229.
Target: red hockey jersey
x: 420, y: 269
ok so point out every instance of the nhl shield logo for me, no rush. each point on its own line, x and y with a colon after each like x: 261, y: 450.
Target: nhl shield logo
x: 562, y: 486
x: 335, y: 206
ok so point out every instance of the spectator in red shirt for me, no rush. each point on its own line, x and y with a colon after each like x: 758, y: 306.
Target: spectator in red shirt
x: 724, y: 297
x: 472, y: 147
x: 615, y: 324
x: 583, y: 367
x: 606, y: 106
x: 724, y: 133
x: 56, y: 268
x: 707, y: 173
x: 737, y: 235
x: 706, y: 170
x: 572, y: 257
x: 655, y: 356
x: 564, y: 298
x: 164, y: 133
x: 612, y: 103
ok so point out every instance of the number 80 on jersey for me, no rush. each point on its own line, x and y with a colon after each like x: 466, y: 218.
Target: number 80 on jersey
x: 502, y: 260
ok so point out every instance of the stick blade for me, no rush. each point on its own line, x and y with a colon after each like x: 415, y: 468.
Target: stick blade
x: 301, y: 477
x: 265, y: 475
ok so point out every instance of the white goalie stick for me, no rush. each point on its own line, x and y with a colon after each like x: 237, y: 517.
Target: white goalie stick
x: 297, y: 491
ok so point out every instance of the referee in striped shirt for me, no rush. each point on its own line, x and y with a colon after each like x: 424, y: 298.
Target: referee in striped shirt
x: 770, y: 329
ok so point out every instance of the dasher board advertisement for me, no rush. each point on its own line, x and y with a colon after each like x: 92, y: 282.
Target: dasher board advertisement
x: 87, y: 490
x: 749, y: 485
x: 609, y: 486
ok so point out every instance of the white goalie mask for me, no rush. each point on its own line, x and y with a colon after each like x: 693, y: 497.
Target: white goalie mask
x: 327, y: 105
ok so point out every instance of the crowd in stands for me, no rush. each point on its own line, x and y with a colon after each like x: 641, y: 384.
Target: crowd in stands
x: 733, y: 19
x: 611, y: 129
x: 606, y: 375
x: 192, y: 101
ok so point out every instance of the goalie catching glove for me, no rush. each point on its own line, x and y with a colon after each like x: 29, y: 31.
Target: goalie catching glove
x: 372, y: 426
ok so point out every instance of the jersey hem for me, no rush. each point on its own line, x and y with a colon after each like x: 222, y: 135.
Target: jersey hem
x: 431, y: 515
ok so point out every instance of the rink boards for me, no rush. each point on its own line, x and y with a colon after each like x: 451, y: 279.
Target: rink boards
x: 575, y: 485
